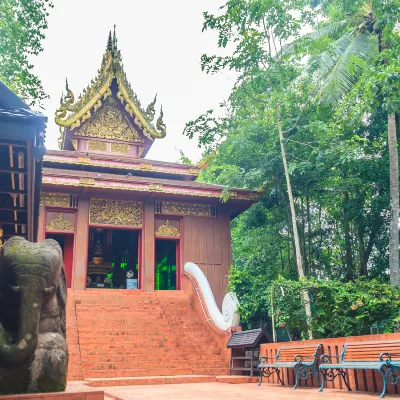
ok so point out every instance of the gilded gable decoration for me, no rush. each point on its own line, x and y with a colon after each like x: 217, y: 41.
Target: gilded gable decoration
x: 72, y: 113
x: 109, y: 123
x: 167, y: 230
x: 116, y: 212
x: 60, y: 224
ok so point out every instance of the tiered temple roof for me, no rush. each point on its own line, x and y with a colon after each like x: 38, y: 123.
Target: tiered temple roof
x: 105, y: 136
x: 108, y: 111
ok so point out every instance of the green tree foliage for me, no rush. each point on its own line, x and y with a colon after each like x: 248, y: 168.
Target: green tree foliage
x: 339, y: 309
x: 22, y: 26
x: 337, y: 155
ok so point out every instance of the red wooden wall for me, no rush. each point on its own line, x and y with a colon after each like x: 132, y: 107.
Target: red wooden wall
x: 207, y: 243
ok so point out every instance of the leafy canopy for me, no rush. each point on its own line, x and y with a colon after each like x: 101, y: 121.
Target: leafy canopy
x: 22, y: 26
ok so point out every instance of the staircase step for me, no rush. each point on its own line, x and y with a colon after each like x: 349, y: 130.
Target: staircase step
x: 150, y: 372
x: 162, y: 380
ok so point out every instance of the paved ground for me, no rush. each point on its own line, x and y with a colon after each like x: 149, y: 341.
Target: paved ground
x: 214, y: 391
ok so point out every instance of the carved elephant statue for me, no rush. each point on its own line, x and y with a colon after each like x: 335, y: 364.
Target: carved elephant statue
x: 33, y: 296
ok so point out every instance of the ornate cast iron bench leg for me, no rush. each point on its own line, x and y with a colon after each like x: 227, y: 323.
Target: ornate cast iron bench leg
x: 261, y: 376
x: 303, y: 372
x: 316, y: 373
x: 389, y: 376
x: 267, y: 373
x: 329, y: 375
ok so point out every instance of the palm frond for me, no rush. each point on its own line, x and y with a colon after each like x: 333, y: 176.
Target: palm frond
x: 325, y: 30
x: 334, y: 65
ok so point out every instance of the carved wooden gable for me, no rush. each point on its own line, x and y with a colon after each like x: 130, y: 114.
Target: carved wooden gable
x: 109, y: 122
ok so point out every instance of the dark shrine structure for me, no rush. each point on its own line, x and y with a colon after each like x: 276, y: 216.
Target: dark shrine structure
x: 21, y: 151
x: 123, y: 221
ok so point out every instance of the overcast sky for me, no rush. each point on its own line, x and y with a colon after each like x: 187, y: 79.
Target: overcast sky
x: 161, y: 44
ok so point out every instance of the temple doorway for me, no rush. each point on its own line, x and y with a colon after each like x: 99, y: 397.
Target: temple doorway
x: 166, y: 264
x: 113, y: 258
x: 66, y: 242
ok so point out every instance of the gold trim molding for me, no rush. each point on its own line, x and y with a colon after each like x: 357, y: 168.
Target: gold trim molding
x: 167, y: 230
x: 81, y: 160
x: 90, y: 182
x: 116, y: 212
x: 86, y: 182
x: 180, y: 208
x: 146, y: 167
x: 60, y: 224
x: 143, y: 166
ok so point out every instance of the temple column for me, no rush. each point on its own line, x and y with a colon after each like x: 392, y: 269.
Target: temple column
x: 148, y: 270
x: 41, y: 228
x: 81, y: 244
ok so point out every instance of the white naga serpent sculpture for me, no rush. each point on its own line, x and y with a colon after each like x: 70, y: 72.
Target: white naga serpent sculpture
x: 229, y: 316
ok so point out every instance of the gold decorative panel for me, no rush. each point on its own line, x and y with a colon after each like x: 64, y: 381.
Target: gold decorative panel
x: 83, y: 160
x: 154, y: 187
x: 60, y: 224
x: 178, y: 208
x: 109, y: 122
x: 55, y: 199
x: 167, y: 230
x: 97, y: 145
x: 120, y: 148
x: 116, y: 212
x: 86, y: 182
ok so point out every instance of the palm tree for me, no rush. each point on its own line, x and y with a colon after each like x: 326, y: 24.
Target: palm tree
x: 337, y: 74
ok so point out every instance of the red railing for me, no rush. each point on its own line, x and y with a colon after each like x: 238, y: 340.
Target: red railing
x: 360, y: 380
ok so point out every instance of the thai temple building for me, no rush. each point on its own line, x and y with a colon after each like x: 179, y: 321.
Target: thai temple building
x: 128, y: 226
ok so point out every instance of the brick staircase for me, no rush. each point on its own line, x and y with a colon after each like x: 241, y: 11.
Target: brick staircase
x: 138, y: 334
x: 74, y: 367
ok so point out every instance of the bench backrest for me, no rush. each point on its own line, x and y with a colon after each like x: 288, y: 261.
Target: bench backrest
x: 287, y: 354
x: 370, y: 350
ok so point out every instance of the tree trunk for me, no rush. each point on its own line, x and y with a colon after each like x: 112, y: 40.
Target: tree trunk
x: 299, y: 261
x: 347, y: 238
x: 394, y: 202
x: 309, y: 236
x: 361, y: 250
x: 303, y: 232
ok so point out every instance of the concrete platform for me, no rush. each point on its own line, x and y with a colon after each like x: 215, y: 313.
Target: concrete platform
x: 214, y: 391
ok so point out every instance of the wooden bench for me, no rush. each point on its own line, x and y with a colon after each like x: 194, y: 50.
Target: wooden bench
x: 381, y: 356
x: 302, y: 359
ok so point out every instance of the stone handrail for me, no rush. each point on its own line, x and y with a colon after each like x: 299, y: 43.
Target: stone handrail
x: 229, y: 316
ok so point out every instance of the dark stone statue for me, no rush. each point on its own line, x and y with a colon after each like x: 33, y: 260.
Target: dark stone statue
x: 33, y: 296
